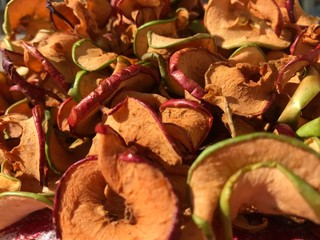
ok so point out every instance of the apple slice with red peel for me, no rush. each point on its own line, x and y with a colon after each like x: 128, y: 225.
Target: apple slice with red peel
x: 59, y: 154
x: 188, y: 67
x: 31, y: 162
x: 101, y: 193
x: 154, y: 207
x: 84, y: 114
x: 153, y: 100
x: 139, y: 125
x: 63, y: 114
x: 191, y: 117
x: 16, y: 205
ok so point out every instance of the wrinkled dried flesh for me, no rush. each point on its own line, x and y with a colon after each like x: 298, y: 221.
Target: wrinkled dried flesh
x: 147, y: 132
x: 247, y: 90
x: 125, y: 171
x: 192, y: 121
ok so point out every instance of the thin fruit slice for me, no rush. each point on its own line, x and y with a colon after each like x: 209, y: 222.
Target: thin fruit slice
x: 21, y: 204
x: 217, y: 163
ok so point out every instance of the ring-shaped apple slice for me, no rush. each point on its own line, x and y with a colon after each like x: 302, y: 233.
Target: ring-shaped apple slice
x: 217, y: 163
x: 17, y: 205
x: 149, y: 194
x: 247, y: 89
x: 260, y: 185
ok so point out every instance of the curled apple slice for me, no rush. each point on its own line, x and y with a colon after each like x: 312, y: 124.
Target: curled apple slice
x: 191, y: 117
x: 217, y: 163
x: 21, y: 204
x: 31, y: 18
x: 91, y: 57
x: 107, y: 193
x: 188, y: 67
x: 139, y: 125
x: 84, y: 114
x: 154, y: 207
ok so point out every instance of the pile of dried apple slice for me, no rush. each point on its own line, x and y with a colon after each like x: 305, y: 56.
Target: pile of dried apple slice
x: 134, y: 119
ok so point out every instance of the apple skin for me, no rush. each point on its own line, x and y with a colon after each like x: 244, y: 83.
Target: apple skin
x: 107, y: 88
x: 53, y: 72
x: 188, y: 84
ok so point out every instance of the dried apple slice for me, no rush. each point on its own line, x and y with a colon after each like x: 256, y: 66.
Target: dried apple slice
x: 58, y: 154
x: 8, y: 183
x: 31, y: 18
x: 191, y: 117
x: 127, y: 7
x: 135, y: 77
x: 236, y: 23
x: 85, y: 82
x: 238, y: 86
x: 91, y: 57
x: 249, y: 53
x: 165, y: 27
x: 104, y: 197
x: 21, y: 204
x: 148, y: 132
x: 298, y: 199
x: 188, y: 67
x: 217, y: 163
x: 161, y: 44
x: 125, y: 171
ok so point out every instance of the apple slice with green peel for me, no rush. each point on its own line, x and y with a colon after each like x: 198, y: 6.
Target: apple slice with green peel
x: 217, y: 163
x: 58, y: 154
x: 21, y: 204
x: 85, y: 82
x: 188, y: 67
x: 21, y: 107
x: 249, y: 53
x: 165, y: 27
x: 246, y: 90
x: 84, y: 114
x: 158, y: 60
x: 91, y: 57
x: 8, y: 183
x: 17, y: 19
x: 309, y: 129
x: 191, y: 117
x: 306, y: 91
x: 263, y: 180
x: 139, y: 125
x: 163, y: 44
